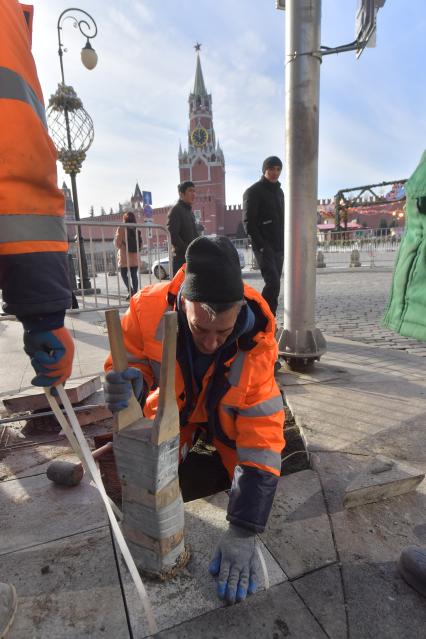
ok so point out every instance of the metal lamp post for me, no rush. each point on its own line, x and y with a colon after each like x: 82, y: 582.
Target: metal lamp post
x: 71, y: 127
x: 301, y: 342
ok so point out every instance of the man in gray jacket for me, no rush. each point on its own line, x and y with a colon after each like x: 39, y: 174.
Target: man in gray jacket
x: 181, y: 224
x: 263, y: 211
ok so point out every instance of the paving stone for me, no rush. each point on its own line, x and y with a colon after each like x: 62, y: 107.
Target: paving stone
x: 369, y: 540
x: 375, y: 484
x: 32, y: 460
x: 322, y: 374
x: 277, y: 613
x: 298, y: 532
x: 34, y: 510
x: 67, y: 589
x: 26, y: 459
x: 35, y: 399
x: 399, y: 612
x: 322, y: 593
x: 192, y: 593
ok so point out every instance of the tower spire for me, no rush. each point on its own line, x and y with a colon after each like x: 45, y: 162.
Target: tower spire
x: 202, y: 162
x: 199, y: 86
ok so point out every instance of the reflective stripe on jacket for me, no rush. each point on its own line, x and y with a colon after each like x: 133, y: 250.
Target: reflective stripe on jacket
x: 241, y: 410
x: 33, y: 240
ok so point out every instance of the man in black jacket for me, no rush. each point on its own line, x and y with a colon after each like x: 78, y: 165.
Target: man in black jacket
x: 263, y: 205
x: 181, y: 224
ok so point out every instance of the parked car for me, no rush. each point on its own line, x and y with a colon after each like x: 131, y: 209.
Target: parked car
x: 160, y: 268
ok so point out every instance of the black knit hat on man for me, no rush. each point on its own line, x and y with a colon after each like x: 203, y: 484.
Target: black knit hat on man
x: 213, y: 272
x: 271, y: 161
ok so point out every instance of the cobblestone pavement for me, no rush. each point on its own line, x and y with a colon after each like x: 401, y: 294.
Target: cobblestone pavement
x: 351, y: 304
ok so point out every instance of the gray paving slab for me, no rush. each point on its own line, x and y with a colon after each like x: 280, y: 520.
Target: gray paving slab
x: 34, y: 510
x: 33, y: 398
x: 24, y: 461
x: 192, y: 593
x: 67, y: 589
x: 277, y: 613
x: 369, y: 540
x: 61, y: 516
x: 322, y: 592
x: 31, y: 455
x: 298, y: 532
x: 376, y: 406
x: 323, y: 373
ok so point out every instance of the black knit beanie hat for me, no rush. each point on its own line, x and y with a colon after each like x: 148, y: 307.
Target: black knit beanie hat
x: 213, y: 272
x: 273, y: 160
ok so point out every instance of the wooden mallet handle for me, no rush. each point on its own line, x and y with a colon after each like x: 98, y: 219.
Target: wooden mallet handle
x: 116, y: 342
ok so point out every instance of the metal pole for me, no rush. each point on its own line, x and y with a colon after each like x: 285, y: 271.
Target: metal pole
x: 301, y: 342
x: 83, y: 280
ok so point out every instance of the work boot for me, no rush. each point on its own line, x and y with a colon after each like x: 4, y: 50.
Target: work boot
x: 412, y: 567
x: 8, y: 605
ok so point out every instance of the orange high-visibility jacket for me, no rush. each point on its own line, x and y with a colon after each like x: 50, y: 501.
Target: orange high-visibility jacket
x: 238, y: 405
x: 33, y: 240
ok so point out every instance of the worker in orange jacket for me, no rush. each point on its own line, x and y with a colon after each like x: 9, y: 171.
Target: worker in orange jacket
x: 33, y: 242
x: 225, y: 387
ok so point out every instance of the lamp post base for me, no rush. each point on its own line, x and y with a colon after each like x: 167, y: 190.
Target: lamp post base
x: 301, y: 348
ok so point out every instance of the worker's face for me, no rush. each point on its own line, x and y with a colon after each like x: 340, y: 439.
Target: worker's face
x: 189, y: 196
x: 209, y: 334
x: 273, y: 173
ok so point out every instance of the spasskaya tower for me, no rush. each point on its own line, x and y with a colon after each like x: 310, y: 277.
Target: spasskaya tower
x: 203, y: 161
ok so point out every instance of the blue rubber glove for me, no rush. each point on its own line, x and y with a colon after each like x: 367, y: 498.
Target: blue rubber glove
x: 51, y: 354
x: 118, y: 387
x: 237, y: 565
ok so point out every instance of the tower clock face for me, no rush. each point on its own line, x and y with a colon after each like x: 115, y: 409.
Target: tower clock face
x: 199, y: 136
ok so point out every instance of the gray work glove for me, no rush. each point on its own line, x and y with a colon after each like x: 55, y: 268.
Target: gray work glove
x: 118, y: 386
x: 236, y: 563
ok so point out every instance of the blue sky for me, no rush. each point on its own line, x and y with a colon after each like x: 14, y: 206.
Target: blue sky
x: 372, y: 110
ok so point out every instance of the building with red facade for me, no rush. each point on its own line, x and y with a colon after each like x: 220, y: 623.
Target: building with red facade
x: 203, y: 161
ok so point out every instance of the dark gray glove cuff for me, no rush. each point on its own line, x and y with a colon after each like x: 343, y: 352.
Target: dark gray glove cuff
x: 251, y: 498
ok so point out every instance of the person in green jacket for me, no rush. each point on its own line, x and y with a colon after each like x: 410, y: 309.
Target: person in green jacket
x: 406, y: 309
x: 406, y: 315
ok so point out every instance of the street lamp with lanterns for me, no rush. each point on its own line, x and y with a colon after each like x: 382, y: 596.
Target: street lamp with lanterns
x: 71, y: 127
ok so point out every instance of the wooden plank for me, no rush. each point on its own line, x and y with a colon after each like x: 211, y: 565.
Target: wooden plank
x: 161, y: 547
x: 34, y: 398
x: 133, y: 412
x: 166, y: 422
x: 163, y: 497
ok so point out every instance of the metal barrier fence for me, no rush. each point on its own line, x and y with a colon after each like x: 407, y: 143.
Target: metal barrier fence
x: 93, y: 255
x: 379, y: 239
x: 375, y: 247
